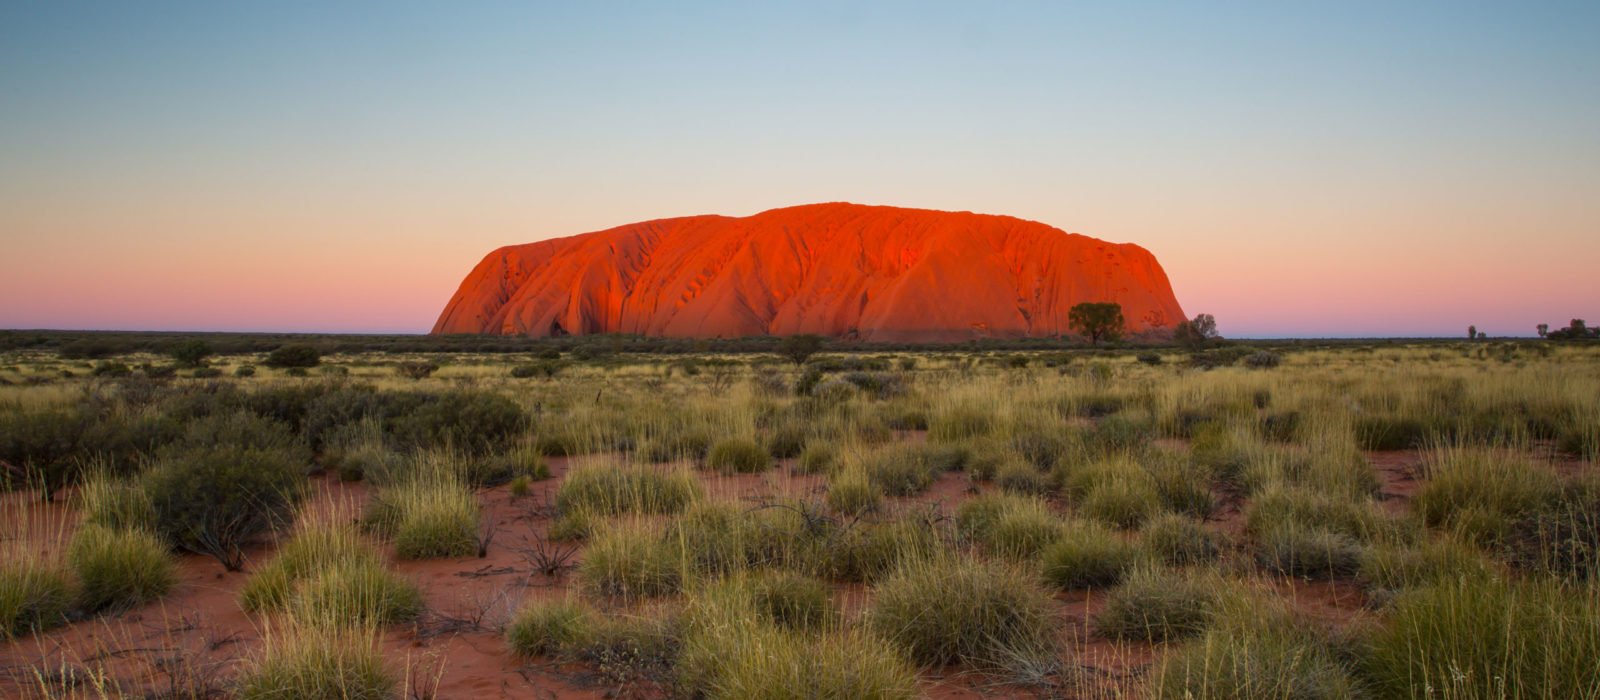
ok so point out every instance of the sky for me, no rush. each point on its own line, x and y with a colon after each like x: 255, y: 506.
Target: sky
x: 1299, y: 169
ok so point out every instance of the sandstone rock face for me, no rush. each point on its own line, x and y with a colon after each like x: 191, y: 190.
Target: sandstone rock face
x: 874, y: 273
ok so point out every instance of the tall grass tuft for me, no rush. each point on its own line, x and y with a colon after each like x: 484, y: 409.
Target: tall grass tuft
x: 318, y: 662
x: 119, y: 568
x: 955, y: 609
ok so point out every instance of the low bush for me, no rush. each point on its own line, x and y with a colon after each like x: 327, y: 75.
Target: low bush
x: 960, y: 423
x: 945, y: 610
x: 730, y: 651
x: 1391, y: 567
x: 870, y: 552
x: 1017, y: 476
x: 1255, y: 661
x: 791, y: 600
x: 1012, y: 527
x: 292, y: 356
x: 119, y: 568
x: 215, y: 501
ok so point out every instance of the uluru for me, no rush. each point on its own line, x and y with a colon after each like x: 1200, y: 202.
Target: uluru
x: 873, y: 273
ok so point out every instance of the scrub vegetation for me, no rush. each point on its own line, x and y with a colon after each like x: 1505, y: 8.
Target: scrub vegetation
x: 769, y: 519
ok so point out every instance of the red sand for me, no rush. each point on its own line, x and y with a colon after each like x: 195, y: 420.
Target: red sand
x: 844, y: 270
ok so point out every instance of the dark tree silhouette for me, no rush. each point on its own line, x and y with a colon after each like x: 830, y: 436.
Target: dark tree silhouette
x: 1097, y: 320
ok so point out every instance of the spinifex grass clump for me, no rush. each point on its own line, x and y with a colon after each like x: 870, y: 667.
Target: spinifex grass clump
x: 853, y: 492
x: 355, y: 592
x: 1489, y: 638
x: 327, y: 573
x: 609, y: 489
x: 1157, y: 605
x: 1088, y: 555
x: 34, y: 595
x: 546, y: 627
x: 632, y: 560
x: 1178, y: 540
x: 1116, y: 491
x: 429, y: 513
x: 117, y: 568
x: 1481, y: 493
x: 955, y: 609
x: 738, y: 456
x: 734, y: 648
x: 1014, y: 527
x: 318, y: 661
x: 1255, y: 650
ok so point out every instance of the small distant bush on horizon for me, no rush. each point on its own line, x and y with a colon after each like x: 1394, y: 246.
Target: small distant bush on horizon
x: 294, y: 356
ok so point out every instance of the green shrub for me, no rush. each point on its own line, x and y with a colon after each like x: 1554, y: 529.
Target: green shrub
x: 610, y: 489
x: 714, y: 537
x: 318, y: 663
x: 738, y: 456
x: 730, y: 651
x: 1087, y: 555
x: 786, y: 440
x: 475, y: 421
x: 1156, y: 605
x: 1012, y: 527
x: 547, y: 627
x: 945, y: 610
x: 1124, y: 503
x: 215, y: 501
x: 294, y: 356
x: 119, y: 568
x: 46, y: 445
x: 1488, y: 638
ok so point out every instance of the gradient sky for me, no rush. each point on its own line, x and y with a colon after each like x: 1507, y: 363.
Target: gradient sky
x: 1357, y: 168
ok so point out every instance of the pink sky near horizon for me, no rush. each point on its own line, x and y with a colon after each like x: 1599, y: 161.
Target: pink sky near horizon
x: 1366, y: 170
